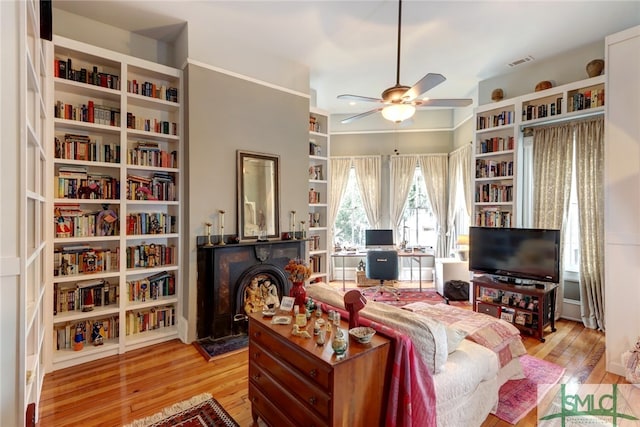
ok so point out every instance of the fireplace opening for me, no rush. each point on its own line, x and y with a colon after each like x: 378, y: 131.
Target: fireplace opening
x: 258, y: 288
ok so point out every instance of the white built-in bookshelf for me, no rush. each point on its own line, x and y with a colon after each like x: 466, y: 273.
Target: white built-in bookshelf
x: 116, y: 209
x: 316, y: 223
x: 499, y: 133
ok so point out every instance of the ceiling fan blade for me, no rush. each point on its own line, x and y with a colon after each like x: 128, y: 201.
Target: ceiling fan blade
x: 458, y: 102
x: 359, y: 98
x: 359, y: 116
x: 429, y: 81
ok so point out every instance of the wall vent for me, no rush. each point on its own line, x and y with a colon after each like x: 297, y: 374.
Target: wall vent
x: 520, y: 61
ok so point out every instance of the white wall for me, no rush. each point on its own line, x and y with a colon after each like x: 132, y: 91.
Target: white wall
x: 622, y: 196
x: 10, y: 389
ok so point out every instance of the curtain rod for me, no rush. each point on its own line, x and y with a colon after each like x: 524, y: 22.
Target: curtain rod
x: 574, y: 119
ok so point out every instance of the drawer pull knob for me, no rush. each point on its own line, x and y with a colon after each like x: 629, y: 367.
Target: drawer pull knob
x: 313, y: 400
x: 256, y: 355
x: 256, y: 377
x: 256, y: 334
x: 313, y: 373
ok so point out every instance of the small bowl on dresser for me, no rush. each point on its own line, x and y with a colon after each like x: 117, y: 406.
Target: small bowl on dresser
x: 362, y: 334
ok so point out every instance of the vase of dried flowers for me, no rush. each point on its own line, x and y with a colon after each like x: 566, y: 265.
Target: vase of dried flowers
x: 298, y: 273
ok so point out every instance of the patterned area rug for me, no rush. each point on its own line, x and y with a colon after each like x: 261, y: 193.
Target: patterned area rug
x: 199, y: 411
x: 518, y: 397
x: 210, y: 348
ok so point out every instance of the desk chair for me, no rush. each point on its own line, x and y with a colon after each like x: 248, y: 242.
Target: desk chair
x: 382, y: 265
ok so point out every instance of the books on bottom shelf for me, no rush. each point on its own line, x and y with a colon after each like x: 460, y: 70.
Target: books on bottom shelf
x: 75, y: 335
x: 150, y: 319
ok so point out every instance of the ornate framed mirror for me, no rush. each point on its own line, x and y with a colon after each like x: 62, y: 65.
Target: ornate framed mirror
x: 258, y: 178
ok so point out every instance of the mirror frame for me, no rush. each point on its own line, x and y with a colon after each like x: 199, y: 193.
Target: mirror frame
x: 241, y: 157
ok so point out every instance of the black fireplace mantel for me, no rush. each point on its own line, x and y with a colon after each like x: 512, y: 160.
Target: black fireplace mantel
x: 222, y: 267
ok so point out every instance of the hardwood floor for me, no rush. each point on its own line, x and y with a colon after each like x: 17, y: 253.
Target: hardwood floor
x: 120, y: 389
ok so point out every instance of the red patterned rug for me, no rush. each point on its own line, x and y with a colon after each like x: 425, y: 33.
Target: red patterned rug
x: 409, y: 295
x: 518, y: 397
x: 199, y: 411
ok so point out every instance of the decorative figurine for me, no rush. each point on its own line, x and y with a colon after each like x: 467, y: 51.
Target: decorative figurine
x: 97, y: 334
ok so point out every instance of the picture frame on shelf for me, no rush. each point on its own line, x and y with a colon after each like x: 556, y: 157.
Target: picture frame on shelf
x: 287, y: 303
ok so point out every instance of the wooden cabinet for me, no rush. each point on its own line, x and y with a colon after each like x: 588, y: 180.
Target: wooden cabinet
x: 116, y: 203
x: 318, y: 234
x: 294, y: 381
x: 529, y: 308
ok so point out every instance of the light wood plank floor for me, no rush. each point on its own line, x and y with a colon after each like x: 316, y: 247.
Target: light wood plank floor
x: 119, y: 389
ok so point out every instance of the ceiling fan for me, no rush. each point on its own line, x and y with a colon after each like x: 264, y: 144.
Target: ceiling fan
x: 400, y: 102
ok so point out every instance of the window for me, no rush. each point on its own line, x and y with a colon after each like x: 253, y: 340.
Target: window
x: 571, y: 258
x: 418, y: 225
x: 351, y: 221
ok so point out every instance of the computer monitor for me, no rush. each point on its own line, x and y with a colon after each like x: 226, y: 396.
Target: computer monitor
x: 378, y: 239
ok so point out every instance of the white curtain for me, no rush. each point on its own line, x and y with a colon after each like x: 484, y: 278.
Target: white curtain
x: 589, y: 137
x: 368, y: 175
x: 552, y: 164
x: 403, y: 169
x: 435, y: 172
x: 339, y: 176
x: 459, y: 171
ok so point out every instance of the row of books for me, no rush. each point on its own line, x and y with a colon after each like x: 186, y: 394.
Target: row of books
x: 494, y: 145
x: 147, y: 320
x: 315, y: 262
x: 84, y: 295
x: 152, y: 288
x: 88, y: 113
x: 493, y: 193
x: 151, y: 125
x: 314, y: 196
x: 150, y: 223
x: 153, y: 90
x: 148, y: 255
x: 65, y: 335
x: 590, y: 98
x: 81, y: 147
x: 492, y: 120
x: 160, y: 186
x: 315, y: 149
x: 84, y: 259
x: 492, y: 168
x: 538, y: 111
x: 94, y: 186
x: 71, y: 221
x: 63, y: 69
x: 150, y: 154
x: 493, y: 218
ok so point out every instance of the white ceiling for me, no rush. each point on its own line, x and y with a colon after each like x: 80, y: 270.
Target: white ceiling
x: 350, y: 46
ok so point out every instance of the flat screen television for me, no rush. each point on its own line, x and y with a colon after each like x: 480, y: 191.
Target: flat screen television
x: 378, y: 239
x: 515, y: 253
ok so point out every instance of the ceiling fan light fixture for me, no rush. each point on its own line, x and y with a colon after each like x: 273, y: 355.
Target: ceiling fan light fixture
x: 398, y: 112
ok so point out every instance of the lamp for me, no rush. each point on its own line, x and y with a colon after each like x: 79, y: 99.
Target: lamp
x: 398, y: 112
x: 463, y: 246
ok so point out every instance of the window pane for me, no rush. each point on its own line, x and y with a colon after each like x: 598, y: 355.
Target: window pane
x: 351, y: 221
x: 418, y: 224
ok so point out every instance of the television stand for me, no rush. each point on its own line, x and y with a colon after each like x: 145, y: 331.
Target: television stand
x: 528, y: 308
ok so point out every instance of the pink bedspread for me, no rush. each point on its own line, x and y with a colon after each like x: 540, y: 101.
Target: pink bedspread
x: 412, y: 398
x: 495, y: 334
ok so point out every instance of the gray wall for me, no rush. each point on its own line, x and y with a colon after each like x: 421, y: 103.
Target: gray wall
x: 385, y: 143
x: 224, y: 114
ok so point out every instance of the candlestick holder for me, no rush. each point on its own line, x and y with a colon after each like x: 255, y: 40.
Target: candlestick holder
x: 303, y: 231
x: 221, y: 242
x: 208, y: 233
x: 293, y: 225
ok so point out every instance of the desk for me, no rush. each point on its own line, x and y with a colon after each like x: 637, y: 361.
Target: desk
x: 411, y: 255
x: 417, y: 256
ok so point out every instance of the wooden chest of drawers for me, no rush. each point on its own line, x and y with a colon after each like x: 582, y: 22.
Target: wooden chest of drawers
x: 294, y: 381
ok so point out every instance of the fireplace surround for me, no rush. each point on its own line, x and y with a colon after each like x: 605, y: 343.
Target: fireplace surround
x: 225, y: 271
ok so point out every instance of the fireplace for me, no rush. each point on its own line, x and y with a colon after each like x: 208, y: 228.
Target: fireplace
x: 226, y: 272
